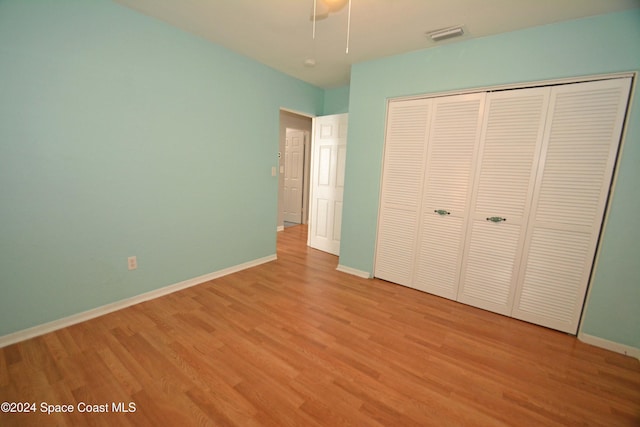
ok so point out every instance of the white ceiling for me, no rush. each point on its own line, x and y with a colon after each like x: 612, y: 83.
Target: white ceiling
x: 278, y: 33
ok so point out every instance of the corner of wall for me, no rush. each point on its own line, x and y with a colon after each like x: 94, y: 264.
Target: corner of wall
x: 336, y: 101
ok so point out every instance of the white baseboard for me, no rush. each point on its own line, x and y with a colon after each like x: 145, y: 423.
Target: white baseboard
x: 119, y: 305
x: 280, y: 228
x: 610, y: 345
x: 355, y: 272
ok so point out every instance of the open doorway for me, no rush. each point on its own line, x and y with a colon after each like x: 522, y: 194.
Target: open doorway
x: 295, y: 153
x: 294, y: 169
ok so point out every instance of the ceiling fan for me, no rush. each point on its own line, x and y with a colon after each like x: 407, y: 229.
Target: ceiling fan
x: 323, y: 8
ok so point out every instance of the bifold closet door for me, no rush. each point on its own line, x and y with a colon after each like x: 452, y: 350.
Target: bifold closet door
x: 581, y: 142
x: 451, y: 154
x: 509, y: 150
x: 497, y: 199
x: 403, y: 169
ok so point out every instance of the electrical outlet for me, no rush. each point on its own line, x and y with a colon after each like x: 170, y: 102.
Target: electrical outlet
x: 132, y: 262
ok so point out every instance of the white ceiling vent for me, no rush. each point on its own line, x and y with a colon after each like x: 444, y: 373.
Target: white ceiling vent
x: 445, y: 33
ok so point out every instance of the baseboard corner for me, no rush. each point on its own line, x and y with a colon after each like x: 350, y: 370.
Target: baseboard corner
x: 609, y: 345
x: 353, y: 271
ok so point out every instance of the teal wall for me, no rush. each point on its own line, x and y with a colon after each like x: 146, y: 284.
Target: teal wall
x: 336, y: 101
x: 603, y: 44
x: 120, y: 136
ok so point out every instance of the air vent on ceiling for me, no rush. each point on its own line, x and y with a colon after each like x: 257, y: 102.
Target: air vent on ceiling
x: 445, y: 33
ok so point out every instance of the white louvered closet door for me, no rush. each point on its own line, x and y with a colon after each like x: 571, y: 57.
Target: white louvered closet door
x: 451, y: 154
x: 509, y: 150
x: 403, y: 169
x: 582, y: 135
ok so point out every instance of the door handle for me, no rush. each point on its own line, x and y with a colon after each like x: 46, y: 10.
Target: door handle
x: 442, y: 212
x: 496, y: 219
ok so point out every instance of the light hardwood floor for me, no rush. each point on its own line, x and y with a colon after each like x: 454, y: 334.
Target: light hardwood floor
x: 296, y: 343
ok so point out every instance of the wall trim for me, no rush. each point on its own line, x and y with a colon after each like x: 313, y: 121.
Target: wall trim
x: 518, y: 85
x: 280, y: 228
x: 296, y: 112
x: 45, y: 328
x: 610, y: 345
x: 353, y: 271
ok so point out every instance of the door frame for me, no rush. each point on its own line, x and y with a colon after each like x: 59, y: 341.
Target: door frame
x: 294, y: 120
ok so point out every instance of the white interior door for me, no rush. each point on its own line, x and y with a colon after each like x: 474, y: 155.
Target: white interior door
x: 293, y: 175
x: 327, y: 182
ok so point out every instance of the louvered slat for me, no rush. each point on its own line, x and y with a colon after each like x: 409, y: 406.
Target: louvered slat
x: 582, y: 136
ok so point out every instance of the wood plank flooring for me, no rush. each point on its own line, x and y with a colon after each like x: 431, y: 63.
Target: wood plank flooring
x: 296, y: 343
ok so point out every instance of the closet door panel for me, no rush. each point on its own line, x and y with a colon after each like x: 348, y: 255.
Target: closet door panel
x: 439, y: 255
x: 510, y: 146
x: 556, y: 265
x: 396, y: 246
x: 512, y: 137
x: 403, y: 170
x: 582, y: 137
x: 451, y: 154
x: 489, y: 265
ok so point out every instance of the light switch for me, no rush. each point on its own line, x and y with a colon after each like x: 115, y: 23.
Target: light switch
x: 281, y: 169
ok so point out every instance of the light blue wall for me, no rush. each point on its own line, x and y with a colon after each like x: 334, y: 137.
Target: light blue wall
x: 119, y: 136
x: 603, y: 44
x: 336, y: 101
